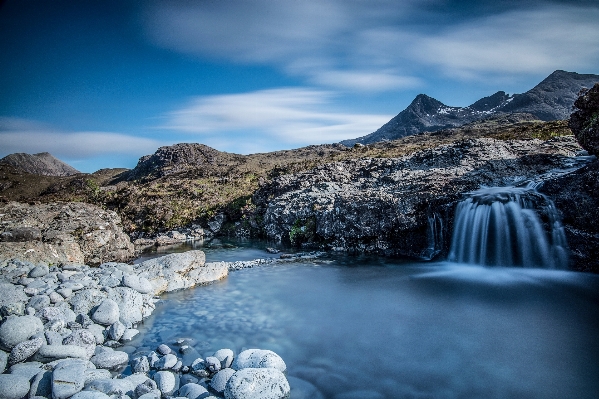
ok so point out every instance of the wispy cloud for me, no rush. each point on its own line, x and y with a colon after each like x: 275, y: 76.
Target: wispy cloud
x: 515, y: 42
x: 294, y: 116
x: 21, y: 135
x: 382, y: 45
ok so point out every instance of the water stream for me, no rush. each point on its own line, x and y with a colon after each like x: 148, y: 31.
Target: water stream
x: 363, y: 327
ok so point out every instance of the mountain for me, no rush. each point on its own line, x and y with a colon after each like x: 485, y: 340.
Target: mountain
x: 39, y: 164
x: 552, y: 99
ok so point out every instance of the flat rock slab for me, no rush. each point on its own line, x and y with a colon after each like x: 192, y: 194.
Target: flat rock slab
x: 178, y: 271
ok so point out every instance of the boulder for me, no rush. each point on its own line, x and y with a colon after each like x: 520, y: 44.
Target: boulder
x: 259, y: 358
x: 17, y: 329
x: 25, y: 350
x: 262, y: 383
x: 584, y: 121
x: 180, y: 270
x: 107, y: 313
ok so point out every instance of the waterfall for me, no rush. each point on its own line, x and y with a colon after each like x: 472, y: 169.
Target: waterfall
x: 499, y: 227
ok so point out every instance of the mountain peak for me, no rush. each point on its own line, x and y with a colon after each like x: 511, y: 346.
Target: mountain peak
x: 551, y: 99
x: 42, y: 163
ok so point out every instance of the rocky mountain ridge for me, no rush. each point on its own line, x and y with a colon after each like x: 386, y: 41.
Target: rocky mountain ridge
x: 551, y: 99
x: 39, y: 164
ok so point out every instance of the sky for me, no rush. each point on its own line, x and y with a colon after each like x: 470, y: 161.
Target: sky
x: 101, y: 83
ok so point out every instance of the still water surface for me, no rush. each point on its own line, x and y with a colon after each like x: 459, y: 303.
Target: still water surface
x: 371, y: 328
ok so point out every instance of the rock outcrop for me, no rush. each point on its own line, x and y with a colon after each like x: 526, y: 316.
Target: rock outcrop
x: 398, y: 206
x: 584, y: 122
x: 62, y: 233
x: 552, y: 99
x: 39, y: 164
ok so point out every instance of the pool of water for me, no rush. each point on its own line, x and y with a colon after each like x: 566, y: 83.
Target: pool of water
x: 358, y: 327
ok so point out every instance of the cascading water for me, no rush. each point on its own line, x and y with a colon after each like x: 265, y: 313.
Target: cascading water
x: 499, y: 227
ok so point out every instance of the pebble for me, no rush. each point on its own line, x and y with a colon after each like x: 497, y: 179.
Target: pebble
x: 220, y: 379
x: 225, y: 356
x: 166, y: 362
x: 107, y: 313
x: 39, y: 271
x: 192, y: 391
x: 140, y: 364
x: 116, y: 330
x: 25, y: 350
x: 67, y: 378
x: 17, y: 329
x: 163, y: 349
x: 166, y: 382
x: 110, y: 360
x: 257, y: 383
x: 13, y: 386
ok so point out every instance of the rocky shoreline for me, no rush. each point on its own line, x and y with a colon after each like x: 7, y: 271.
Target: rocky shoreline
x: 63, y: 327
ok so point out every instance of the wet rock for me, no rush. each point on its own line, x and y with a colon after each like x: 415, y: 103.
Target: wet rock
x: 225, y: 356
x: 163, y: 349
x: 107, y: 313
x: 193, y: 391
x: 17, y: 329
x: 262, y: 383
x: 166, y: 382
x: 129, y: 334
x: 220, y: 379
x: 116, y: 330
x: 146, y: 387
x: 140, y: 364
x: 301, y: 389
x: 584, y: 122
x: 166, y: 362
x: 13, y: 386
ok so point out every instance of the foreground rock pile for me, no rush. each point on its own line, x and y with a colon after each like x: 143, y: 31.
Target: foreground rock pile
x: 61, y: 328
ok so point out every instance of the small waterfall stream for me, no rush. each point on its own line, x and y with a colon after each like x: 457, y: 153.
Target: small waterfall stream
x: 499, y: 227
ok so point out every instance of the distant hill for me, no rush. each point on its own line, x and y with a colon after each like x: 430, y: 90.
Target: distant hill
x: 39, y: 164
x: 552, y: 99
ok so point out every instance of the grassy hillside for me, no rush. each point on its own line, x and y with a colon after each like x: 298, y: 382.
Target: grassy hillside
x: 226, y: 185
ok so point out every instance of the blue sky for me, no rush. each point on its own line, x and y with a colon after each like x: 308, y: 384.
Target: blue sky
x: 101, y: 83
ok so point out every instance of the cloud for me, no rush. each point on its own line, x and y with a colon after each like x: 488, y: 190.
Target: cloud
x: 21, y: 135
x: 383, y: 45
x: 295, y: 116
x: 515, y: 42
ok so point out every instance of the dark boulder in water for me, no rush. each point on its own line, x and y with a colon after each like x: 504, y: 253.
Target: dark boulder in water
x: 584, y: 122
